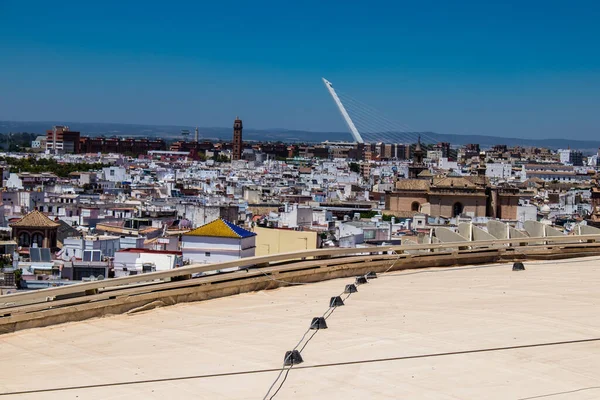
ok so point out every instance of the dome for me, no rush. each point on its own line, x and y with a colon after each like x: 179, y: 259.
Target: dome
x: 545, y: 209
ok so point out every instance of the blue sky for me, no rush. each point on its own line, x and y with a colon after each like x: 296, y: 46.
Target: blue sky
x: 520, y: 69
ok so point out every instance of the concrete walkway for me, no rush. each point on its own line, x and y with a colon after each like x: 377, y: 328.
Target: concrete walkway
x: 474, y: 310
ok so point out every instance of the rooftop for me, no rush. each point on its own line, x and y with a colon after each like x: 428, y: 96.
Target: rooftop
x: 412, y: 184
x: 149, y: 251
x: 35, y: 219
x: 453, y: 333
x: 221, y: 228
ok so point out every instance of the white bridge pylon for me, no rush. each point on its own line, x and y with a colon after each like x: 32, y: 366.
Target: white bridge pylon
x: 357, y: 137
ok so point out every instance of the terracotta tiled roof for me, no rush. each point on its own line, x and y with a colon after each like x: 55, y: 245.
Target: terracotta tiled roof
x: 412, y: 184
x: 401, y: 214
x: 454, y: 182
x: 36, y: 219
x: 112, y: 228
x: 221, y: 228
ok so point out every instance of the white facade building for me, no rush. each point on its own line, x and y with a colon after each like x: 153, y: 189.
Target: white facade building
x: 39, y: 143
x: 74, y: 247
x: 498, y: 170
x: 14, y: 182
x: 565, y: 156
x: 448, y: 165
x: 218, y: 241
x: 296, y: 217
x: 115, y: 174
x: 434, y: 155
x: 137, y: 261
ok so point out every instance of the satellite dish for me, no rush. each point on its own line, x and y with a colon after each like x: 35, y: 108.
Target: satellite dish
x: 100, y: 277
x: 92, y: 278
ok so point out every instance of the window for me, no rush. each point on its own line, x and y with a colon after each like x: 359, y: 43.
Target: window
x: 38, y: 239
x: 112, y: 172
x: 414, y: 206
x: 24, y: 239
x: 457, y: 209
x: 207, y: 254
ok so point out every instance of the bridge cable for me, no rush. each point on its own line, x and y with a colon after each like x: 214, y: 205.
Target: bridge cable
x: 365, y: 121
x: 383, y: 119
x: 356, y: 106
x: 372, y: 126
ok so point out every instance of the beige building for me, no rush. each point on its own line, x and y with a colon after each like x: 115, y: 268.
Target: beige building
x: 453, y: 196
x: 273, y: 241
x: 408, y: 196
x: 443, y: 197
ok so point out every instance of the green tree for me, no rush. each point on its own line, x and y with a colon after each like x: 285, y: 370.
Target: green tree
x: 18, y: 275
x: 33, y: 165
x: 354, y: 167
x: 368, y: 214
x: 222, y: 158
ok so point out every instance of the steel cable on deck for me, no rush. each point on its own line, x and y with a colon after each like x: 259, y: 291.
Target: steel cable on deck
x: 325, y: 315
x: 330, y: 310
x: 314, y: 366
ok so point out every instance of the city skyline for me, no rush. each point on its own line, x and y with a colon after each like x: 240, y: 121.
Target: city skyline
x: 526, y: 71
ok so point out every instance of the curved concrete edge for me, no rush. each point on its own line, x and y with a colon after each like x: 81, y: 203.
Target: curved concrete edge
x: 497, y: 229
x: 197, y: 290
x: 448, y: 236
x: 480, y: 234
x: 588, y: 230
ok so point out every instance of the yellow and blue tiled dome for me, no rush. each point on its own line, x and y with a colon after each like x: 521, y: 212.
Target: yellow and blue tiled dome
x: 221, y: 228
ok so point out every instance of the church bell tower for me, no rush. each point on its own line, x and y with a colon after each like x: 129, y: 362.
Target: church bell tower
x: 237, y: 139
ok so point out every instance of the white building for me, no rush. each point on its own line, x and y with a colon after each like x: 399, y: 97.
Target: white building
x: 137, y: 261
x: 218, y: 241
x: 74, y: 247
x: 39, y: 143
x: 14, y: 182
x: 498, y: 170
x: 565, y: 156
x: 296, y: 217
x: 434, y: 155
x: 553, y: 172
x: 448, y: 165
x: 115, y: 174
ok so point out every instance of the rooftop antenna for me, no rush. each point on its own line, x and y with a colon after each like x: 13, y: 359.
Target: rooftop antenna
x: 357, y: 137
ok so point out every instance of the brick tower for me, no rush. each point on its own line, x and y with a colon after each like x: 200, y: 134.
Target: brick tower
x: 237, y: 139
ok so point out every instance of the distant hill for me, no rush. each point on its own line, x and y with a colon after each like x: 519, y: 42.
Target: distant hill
x: 285, y: 135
